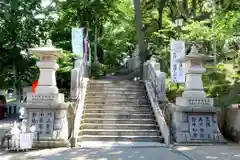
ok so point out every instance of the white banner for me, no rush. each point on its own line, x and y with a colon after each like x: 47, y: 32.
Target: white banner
x: 177, y: 68
x: 77, y: 41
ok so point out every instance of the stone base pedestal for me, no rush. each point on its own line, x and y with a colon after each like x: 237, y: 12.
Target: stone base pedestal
x: 195, y: 122
x: 48, y: 113
x: 50, y: 144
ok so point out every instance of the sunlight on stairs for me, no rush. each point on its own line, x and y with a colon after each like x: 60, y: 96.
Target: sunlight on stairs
x: 118, y: 113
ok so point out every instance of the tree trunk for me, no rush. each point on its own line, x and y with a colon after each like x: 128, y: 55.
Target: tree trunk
x: 160, y: 17
x: 100, y: 54
x: 140, y: 35
x: 95, y: 42
x: 194, y: 8
x: 161, y: 6
x: 185, y: 7
x: 17, y: 83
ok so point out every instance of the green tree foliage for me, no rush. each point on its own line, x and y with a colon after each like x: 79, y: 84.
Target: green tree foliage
x: 63, y: 74
x: 204, y: 22
x: 19, y: 29
x: 23, y: 23
x: 115, y: 24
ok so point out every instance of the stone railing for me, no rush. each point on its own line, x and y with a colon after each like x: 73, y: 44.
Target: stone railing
x: 79, y: 80
x: 133, y: 63
x: 155, y: 85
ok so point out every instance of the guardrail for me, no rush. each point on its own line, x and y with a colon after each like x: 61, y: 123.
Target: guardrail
x: 155, y: 84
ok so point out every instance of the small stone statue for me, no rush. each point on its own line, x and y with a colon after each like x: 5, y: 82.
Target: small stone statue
x: 153, y: 59
x: 194, y: 50
x: 136, y: 51
x: 41, y: 43
x: 49, y: 43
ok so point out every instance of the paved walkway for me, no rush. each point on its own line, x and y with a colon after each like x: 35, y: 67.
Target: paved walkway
x: 211, y: 152
x: 137, y: 151
x: 96, y: 154
x: 216, y: 152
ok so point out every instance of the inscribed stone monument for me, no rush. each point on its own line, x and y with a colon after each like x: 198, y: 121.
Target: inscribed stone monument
x: 194, y: 116
x: 46, y: 109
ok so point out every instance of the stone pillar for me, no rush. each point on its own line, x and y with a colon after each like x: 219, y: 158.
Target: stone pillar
x: 134, y: 62
x: 194, y: 115
x: 46, y: 108
x: 78, y: 74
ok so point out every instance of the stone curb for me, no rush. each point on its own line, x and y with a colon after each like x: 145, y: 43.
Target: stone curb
x: 187, y: 157
x: 201, y: 144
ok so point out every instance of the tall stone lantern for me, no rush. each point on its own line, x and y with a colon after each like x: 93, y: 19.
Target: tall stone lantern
x: 48, y: 56
x: 46, y: 109
x: 194, y: 114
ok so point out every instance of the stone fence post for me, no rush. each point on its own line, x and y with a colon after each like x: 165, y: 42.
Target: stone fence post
x: 153, y: 74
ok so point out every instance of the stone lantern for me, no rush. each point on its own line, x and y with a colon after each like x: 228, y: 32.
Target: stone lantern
x: 48, y: 56
x: 194, y: 114
x: 194, y: 70
x: 46, y: 109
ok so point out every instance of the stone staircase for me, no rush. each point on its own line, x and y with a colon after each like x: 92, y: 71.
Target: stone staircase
x: 118, y: 111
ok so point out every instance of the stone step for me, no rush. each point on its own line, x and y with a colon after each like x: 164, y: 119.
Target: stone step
x: 119, y: 121
x: 133, y: 126
x: 114, y: 82
x: 112, y: 93
x: 116, y: 85
x: 118, y: 102
x: 112, y: 106
x: 121, y: 98
x: 117, y: 92
x: 121, y: 138
x: 120, y: 87
x: 117, y: 115
x: 117, y: 99
x: 112, y: 96
x: 115, y: 89
x: 116, y: 109
x: 117, y: 105
x: 123, y: 110
x: 118, y: 132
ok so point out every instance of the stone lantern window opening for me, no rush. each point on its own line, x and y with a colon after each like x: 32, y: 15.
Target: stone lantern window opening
x: 196, y: 63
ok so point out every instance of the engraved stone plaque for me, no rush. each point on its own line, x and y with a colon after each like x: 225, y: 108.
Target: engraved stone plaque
x: 201, y: 126
x: 43, y: 122
x: 49, y: 122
